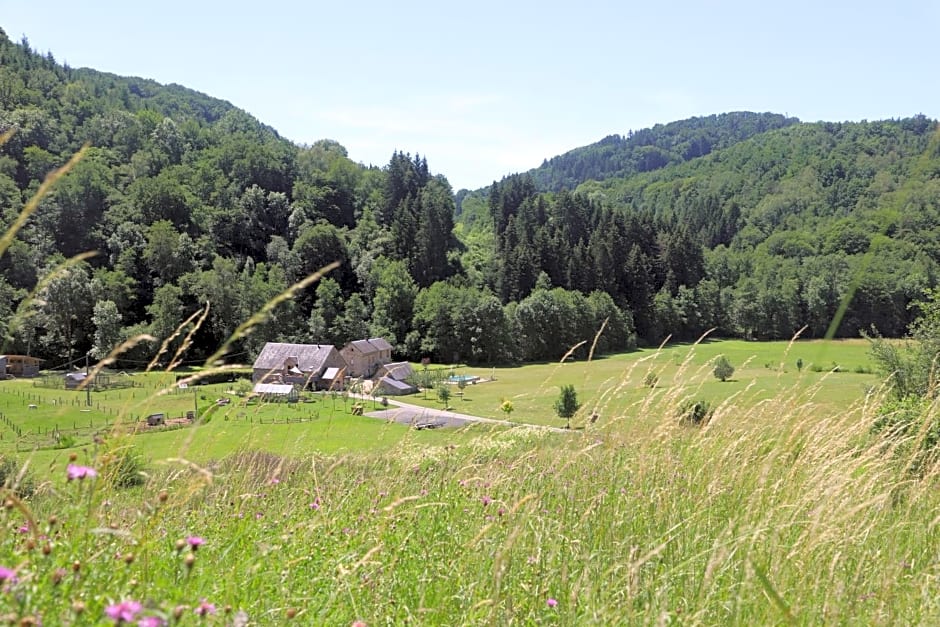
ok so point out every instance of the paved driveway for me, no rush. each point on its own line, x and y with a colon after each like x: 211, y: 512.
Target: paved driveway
x: 426, y: 417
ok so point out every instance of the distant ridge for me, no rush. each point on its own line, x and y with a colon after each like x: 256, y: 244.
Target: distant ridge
x: 650, y: 149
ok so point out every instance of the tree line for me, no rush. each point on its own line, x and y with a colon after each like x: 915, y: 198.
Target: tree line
x: 760, y: 226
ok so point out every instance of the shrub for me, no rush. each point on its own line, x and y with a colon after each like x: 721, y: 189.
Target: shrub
x: 123, y: 466
x: 651, y: 379
x: 695, y: 412
x: 912, y: 427
x: 723, y: 368
x: 15, y: 478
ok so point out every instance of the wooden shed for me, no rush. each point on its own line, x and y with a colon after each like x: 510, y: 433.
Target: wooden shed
x: 22, y: 365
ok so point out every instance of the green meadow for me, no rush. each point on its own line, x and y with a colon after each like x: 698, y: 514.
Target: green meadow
x: 783, y: 508
x: 834, y: 374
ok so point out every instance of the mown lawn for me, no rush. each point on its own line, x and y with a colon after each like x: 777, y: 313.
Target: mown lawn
x: 614, y: 386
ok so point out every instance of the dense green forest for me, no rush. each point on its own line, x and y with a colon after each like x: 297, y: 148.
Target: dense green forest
x: 752, y: 224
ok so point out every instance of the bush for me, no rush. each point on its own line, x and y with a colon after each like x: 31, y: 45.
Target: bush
x: 123, y: 466
x: 910, y: 425
x: 723, y: 368
x: 14, y: 478
x: 651, y: 379
x: 695, y: 412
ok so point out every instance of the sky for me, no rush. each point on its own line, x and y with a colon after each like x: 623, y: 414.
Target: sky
x: 488, y: 88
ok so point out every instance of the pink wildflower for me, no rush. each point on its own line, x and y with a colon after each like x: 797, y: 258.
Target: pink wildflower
x: 123, y: 612
x: 195, y: 542
x: 7, y: 574
x: 205, y: 608
x: 551, y: 602
x: 74, y: 471
x: 151, y: 621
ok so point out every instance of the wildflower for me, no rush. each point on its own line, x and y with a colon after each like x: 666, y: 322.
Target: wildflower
x: 7, y: 575
x: 205, y: 608
x: 151, y: 621
x: 195, y: 542
x: 551, y: 602
x: 315, y: 504
x: 58, y: 575
x: 274, y: 481
x: 486, y: 500
x: 74, y: 471
x: 123, y: 612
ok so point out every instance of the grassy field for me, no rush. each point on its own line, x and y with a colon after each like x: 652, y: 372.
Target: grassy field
x: 46, y: 425
x: 774, y: 512
x: 50, y: 424
x: 614, y: 386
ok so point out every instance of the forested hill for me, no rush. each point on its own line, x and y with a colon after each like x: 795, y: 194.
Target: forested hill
x: 189, y: 201
x: 653, y: 148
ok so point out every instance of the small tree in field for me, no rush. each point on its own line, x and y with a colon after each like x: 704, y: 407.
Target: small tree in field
x: 567, y: 404
x: 443, y: 393
x: 506, y: 407
x: 723, y: 368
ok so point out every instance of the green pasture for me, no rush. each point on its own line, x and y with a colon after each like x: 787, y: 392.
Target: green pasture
x: 834, y: 374
x: 49, y: 424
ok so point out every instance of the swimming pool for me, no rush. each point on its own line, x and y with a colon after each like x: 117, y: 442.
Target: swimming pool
x: 466, y: 378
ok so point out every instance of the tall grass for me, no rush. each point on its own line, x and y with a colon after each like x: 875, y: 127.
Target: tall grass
x: 765, y: 515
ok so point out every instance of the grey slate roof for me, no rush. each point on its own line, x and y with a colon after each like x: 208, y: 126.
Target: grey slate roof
x: 389, y: 383
x: 274, y: 389
x: 399, y: 371
x: 372, y: 345
x: 380, y: 343
x: 310, y: 357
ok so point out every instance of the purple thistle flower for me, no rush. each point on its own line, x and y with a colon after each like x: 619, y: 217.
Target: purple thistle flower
x: 123, y: 612
x: 73, y: 471
x: 486, y: 500
x: 551, y: 602
x: 151, y: 621
x: 195, y: 542
x: 7, y: 574
x: 205, y: 608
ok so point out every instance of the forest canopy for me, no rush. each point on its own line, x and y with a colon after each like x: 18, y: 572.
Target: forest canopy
x: 751, y: 224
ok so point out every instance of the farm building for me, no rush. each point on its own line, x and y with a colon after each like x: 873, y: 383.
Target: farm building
x: 297, y: 364
x: 332, y: 378
x: 399, y: 370
x: 22, y: 365
x: 364, y: 356
x: 276, y: 392
x: 387, y: 386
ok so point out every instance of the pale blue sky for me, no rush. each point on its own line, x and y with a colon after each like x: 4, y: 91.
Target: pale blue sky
x: 487, y: 88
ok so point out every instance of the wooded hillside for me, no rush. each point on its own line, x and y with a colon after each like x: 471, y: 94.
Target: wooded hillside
x: 753, y: 224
